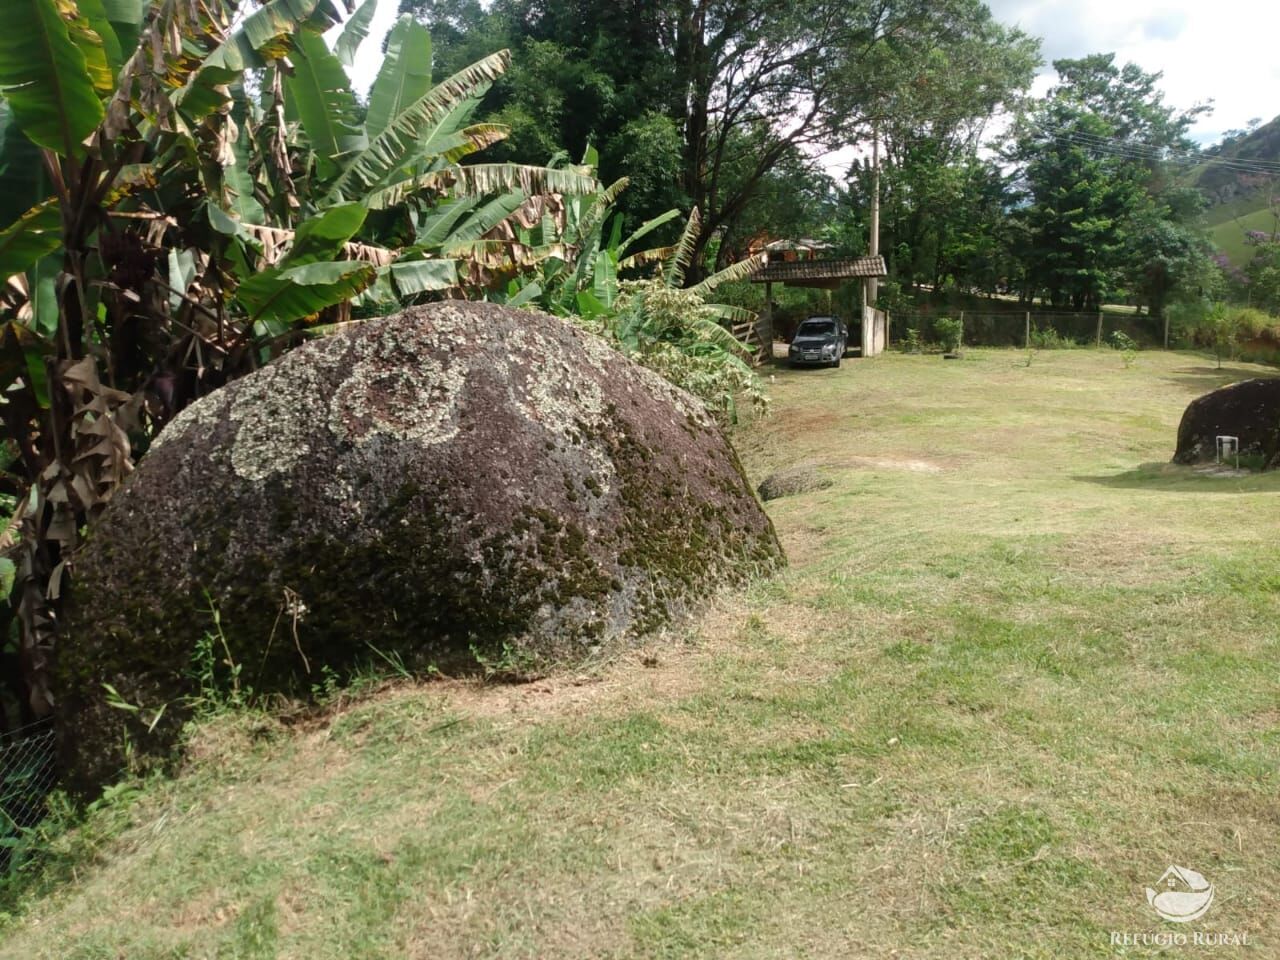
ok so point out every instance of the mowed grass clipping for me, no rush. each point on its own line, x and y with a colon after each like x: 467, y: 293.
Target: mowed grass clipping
x: 1017, y: 668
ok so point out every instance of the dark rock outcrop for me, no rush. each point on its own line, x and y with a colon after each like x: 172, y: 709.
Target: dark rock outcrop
x: 1249, y: 410
x: 456, y: 483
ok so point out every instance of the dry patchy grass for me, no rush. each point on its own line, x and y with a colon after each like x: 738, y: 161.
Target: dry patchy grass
x: 1017, y: 667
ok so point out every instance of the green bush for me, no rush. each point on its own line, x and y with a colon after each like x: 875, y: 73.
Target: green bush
x: 950, y: 333
x: 673, y: 332
x: 1049, y: 339
x: 1127, y: 346
x: 1251, y: 323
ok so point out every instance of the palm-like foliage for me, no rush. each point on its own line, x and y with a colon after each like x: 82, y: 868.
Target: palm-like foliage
x: 188, y: 188
x: 703, y: 347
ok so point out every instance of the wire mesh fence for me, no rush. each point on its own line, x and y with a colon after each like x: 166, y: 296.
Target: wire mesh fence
x: 28, y: 772
x: 1036, y: 329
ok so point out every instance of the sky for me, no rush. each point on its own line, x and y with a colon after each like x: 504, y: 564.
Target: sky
x: 1225, y: 50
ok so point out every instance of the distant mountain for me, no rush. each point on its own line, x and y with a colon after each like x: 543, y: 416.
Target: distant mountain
x: 1222, y: 184
x: 1241, y: 200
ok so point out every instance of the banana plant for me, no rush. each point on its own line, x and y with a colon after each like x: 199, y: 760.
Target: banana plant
x: 190, y: 188
x: 704, y: 347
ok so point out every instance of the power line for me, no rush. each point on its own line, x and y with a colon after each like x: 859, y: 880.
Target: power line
x: 1138, y: 150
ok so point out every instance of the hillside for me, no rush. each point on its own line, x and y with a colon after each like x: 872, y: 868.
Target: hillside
x: 1240, y: 200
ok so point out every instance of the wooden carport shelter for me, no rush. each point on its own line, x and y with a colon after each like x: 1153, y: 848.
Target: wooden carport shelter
x: 824, y: 275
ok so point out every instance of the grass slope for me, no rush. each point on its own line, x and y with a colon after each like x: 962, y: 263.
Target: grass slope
x: 1229, y: 234
x: 1018, y: 667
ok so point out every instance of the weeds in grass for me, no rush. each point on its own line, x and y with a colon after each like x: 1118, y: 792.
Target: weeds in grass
x: 1049, y: 339
x: 215, y: 672
x: 1127, y: 346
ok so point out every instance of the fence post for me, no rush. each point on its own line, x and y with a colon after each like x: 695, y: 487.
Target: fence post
x: 1166, y: 331
x: 1028, y: 335
x: 1097, y: 341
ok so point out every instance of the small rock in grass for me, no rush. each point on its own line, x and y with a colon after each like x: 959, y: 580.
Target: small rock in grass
x: 792, y: 481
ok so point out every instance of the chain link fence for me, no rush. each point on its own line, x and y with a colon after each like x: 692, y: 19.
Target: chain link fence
x: 1037, y: 329
x: 28, y: 772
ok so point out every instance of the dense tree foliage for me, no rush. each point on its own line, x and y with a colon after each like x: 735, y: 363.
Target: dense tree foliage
x: 1102, y: 213
x: 725, y: 105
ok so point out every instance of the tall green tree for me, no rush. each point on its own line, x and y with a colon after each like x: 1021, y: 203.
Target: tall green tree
x: 1094, y: 185
x: 720, y: 96
x: 934, y: 92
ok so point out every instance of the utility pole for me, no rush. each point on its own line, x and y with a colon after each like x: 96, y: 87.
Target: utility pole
x: 872, y: 288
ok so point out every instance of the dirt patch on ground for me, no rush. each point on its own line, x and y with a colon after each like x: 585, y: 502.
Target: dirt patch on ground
x: 912, y: 465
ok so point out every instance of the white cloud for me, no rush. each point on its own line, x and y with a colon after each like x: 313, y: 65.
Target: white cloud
x: 1222, y: 51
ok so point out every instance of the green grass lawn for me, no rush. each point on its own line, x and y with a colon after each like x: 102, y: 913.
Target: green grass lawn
x: 1017, y: 668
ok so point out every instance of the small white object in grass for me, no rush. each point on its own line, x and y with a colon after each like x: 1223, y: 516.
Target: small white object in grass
x: 893, y: 741
x: 1229, y: 447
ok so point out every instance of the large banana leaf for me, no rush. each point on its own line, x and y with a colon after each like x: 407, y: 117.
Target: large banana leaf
x: 326, y: 106
x: 44, y: 76
x: 354, y: 32
x: 730, y: 314
x: 265, y: 35
x: 89, y: 30
x: 266, y: 29
x: 487, y: 217
x: 605, y: 285
x: 405, y: 75
x: 730, y: 274
x: 412, y: 277
x: 647, y: 227
x: 37, y: 233
x: 323, y: 237
x: 433, y: 230
x: 455, y: 137
x: 242, y: 202
x: 397, y: 145
x: 683, y: 254
x: 22, y: 174
x: 282, y: 295
x: 125, y: 17
x: 482, y: 179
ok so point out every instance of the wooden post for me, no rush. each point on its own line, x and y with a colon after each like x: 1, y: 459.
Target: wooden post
x: 872, y: 287
x: 1028, y: 334
x: 766, y: 323
x: 962, y: 328
x: 1097, y: 340
x: 1166, y: 331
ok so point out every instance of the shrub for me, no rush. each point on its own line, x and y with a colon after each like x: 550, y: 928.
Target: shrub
x: 1050, y: 339
x: 950, y: 333
x: 673, y: 332
x: 1127, y: 346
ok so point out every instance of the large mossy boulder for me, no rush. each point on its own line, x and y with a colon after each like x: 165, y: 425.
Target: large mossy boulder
x: 1249, y: 410
x: 455, y: 484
